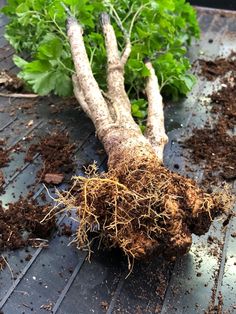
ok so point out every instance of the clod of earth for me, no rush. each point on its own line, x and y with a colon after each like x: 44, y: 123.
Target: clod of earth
x: 138, y: 205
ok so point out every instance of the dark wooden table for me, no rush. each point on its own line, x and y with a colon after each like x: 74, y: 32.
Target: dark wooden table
x: 220, y: 4
x: 59, y: 276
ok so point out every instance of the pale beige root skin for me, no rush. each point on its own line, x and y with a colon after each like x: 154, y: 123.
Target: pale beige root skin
x: 80, y: 96
x: 155, y: 129
x: 118, y: 99
x: 115, y: 67
x: 87, y: 85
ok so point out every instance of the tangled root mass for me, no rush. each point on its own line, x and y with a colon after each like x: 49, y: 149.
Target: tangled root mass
x: 142, y: 207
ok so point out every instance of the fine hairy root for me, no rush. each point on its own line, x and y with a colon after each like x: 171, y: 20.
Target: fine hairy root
x: 142, y: 207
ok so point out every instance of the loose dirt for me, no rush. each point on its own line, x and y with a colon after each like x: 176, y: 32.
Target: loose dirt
x: 215, y: 145
x: 218, y: 67
x: 57, y: 153
x: 20, y: 224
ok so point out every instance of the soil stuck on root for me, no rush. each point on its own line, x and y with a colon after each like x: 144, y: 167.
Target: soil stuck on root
x: 142, y: 207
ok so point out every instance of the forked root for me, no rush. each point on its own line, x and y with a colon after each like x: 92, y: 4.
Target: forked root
x: 142, y: 207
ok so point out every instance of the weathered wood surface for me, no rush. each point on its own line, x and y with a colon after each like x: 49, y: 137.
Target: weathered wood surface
x: 60, y: 275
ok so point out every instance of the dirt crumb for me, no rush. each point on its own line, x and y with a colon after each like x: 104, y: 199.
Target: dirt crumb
x: 2, y: 179
x: 4, y: 154
x: 66, y: 230
x: 28, y: 257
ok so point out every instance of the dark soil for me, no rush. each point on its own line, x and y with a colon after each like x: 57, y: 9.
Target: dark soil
x: 20, y: 224
x: 217, y: 149
x: 219, y: 67
x: 224, y: 103
x: 57, y: 154
x: 4, y: 154
x: 4, y: 159
x: 216, y: 146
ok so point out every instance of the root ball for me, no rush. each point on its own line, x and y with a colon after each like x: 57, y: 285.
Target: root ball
x: 142, y: 207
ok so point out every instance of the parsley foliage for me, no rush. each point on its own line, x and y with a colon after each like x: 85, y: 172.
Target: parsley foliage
x: 159, y: 29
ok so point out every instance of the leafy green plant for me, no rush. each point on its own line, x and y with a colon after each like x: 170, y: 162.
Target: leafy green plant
x: 158, y: 29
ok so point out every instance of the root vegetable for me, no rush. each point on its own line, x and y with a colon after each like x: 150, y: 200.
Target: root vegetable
x: 138, y: 205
